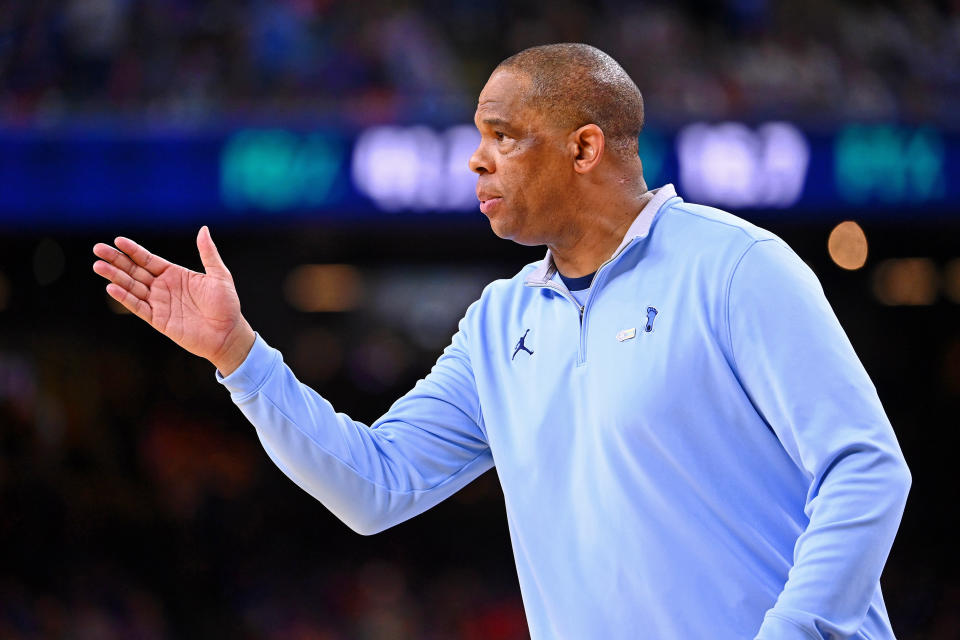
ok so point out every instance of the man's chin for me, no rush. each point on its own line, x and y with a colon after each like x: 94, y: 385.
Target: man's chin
x: 500, y: 230
x: 511, y: 232
x: 502, y: 226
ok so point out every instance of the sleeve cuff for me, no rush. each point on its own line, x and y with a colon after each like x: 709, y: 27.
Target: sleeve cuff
x: 253, y: 371
x: 776, y: 627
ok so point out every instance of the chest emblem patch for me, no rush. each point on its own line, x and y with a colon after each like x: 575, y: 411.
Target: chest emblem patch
x: 626, y: 334
x: 521, y: 346
x: 651, y: 316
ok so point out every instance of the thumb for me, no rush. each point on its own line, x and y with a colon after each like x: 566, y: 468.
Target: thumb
x: 209, y: 256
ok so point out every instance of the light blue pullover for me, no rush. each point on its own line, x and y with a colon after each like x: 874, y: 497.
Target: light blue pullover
x: 696, y: 454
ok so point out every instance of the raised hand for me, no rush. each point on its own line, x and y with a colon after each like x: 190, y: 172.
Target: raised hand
x: 198, y: 311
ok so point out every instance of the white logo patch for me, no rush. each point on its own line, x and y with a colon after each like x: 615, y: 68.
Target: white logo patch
x: 626, y: 334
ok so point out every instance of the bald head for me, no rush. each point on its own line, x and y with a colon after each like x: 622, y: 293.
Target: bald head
x: 575, y: 84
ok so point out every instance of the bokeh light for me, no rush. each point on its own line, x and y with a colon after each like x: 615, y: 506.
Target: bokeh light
x: 847, y: 245
x: 906, y: 281
x: 324, y: 287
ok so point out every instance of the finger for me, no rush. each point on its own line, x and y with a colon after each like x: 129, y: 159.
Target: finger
x: 133, y: 304
x: 122, y: 278
x: 209, y: 256
x: 123, y: 262
x: 154, y: 264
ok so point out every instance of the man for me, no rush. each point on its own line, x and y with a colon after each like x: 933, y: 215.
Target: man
x: 687, y: 443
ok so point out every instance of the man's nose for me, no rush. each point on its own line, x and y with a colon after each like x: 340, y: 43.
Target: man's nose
x: 479, y: 162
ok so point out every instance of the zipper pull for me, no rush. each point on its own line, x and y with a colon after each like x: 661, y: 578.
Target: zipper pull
x: 581, y: 313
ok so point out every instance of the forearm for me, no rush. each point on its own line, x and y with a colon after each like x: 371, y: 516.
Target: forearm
x: 369, y: 477
x: 839, y: 558
x: 307, y: 440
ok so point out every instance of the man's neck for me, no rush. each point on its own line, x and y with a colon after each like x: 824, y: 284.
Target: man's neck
x: 594, y: 244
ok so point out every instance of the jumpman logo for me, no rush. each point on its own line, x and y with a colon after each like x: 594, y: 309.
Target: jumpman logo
x: 651, y: 316
x: 520, y: 345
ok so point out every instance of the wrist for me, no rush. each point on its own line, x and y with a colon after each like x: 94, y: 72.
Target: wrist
x: 235, y: 349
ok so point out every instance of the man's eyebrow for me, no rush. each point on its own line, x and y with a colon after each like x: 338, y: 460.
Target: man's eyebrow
x: 496, y: 122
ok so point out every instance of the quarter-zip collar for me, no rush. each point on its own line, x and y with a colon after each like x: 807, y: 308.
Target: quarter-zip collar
x: 638, y: 229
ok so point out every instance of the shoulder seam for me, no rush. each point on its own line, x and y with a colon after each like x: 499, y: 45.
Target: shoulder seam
x: 682, y: 207
x: 729, y: 288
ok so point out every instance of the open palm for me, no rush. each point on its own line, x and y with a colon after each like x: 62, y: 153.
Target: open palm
x: 198, y: 311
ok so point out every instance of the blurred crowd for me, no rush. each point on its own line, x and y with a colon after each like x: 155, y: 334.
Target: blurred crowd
x: 135, y: 502
x: 203, y: 61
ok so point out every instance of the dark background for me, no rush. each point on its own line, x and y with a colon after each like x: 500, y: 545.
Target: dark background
x: 135, y: 500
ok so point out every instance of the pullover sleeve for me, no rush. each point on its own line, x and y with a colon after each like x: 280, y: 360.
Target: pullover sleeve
x: 801, y: 373
x: 427, y: 446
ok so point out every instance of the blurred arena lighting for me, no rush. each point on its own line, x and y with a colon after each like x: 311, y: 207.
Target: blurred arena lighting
x: 324, y: 287
x: 276, y: 169
x: 416, y: 168
x: 4, y: 291
x: 48, y: 262
x: 889, y: 162
x: 729, y: 164
x: 951, y: 280
x: 847, y: 245
x: 905, y: 281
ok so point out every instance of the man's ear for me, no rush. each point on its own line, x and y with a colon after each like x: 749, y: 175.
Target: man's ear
x: 590, y: 145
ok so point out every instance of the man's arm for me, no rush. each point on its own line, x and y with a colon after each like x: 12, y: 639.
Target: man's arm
x: 802, y: 374
x: 427, y: 446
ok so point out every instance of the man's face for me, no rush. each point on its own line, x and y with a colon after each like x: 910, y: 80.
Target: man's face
x: 522, y: 162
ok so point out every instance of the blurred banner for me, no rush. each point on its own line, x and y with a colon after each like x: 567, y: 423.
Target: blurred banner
x: 84, y: 178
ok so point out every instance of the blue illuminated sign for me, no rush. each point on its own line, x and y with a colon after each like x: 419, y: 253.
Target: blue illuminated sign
x: 85, y: 178
x: 277, y: 170
x: 890, y: 164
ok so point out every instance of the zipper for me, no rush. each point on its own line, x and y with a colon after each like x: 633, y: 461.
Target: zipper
x: 594, y: 286
x: 566, y: 294
x: 582, y: 309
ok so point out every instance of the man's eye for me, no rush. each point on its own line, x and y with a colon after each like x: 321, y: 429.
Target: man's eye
x: 500, y: 135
